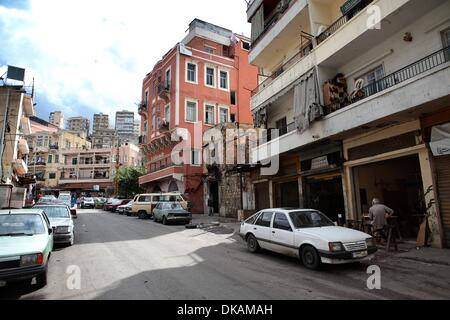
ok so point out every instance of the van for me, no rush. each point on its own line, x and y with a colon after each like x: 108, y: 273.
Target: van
x: 143, y: 204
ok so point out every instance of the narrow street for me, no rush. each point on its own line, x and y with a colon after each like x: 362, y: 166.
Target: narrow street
x: 126, y: 258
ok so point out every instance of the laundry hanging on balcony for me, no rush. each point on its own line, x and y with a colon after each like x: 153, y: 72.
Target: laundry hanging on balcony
x: 306, y: 101
x: 440, y: 140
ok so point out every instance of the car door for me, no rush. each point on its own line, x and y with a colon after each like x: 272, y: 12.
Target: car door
x: 282, y: 234
x: 261, y: 229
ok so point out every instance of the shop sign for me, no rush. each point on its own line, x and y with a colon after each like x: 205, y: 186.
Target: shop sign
x: 319, y: 163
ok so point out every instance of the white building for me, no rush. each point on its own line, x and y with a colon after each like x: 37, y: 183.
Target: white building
x: 356, y: 101
x: 57, y: 118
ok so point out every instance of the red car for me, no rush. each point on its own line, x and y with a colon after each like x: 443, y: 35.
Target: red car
x: 115, y: 204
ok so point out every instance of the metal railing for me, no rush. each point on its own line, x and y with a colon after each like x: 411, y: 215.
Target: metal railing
x: 408, y: 72
x: 303, y: 52
x: 335, y: 26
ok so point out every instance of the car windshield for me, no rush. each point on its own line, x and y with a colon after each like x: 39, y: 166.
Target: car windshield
x: 116, y: 202
x: 310, y: 219
x: 21, y: 224
x: 88, y: 200
x: 55, y: 212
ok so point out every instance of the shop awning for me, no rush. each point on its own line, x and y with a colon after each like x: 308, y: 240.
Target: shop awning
x: 440, y: 140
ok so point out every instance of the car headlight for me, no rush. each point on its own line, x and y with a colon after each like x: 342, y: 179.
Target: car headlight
x: 63, y: 229
x: 370, y: 242
x: 336, y: 246
x: 31, y: 260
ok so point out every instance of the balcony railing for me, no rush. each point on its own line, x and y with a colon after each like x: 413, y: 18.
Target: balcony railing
x: 142, y: 110
x: 410, y: 71
x: 282, y: 131
x: 335, y: 26
x: 303, y: 52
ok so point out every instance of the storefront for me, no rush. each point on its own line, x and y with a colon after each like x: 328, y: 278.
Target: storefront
x: 321, y: 171
x: 392, y: 165
x: 436, y: 129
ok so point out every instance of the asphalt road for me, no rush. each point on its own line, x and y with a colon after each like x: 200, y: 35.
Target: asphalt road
x: 121, y: 257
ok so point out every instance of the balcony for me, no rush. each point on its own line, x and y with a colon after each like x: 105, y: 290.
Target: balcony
x: 408, y: 93
x: 172, y: 172
x: 143, y: 110
x: 164, y: 90
x: 276, y: 30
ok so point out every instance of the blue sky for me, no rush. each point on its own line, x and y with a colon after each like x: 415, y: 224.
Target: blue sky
x: 91, y: 56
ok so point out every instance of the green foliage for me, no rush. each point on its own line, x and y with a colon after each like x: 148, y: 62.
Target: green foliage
x: 128, y: 181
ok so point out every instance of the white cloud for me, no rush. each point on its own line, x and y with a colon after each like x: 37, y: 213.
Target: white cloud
x: 95, y: 54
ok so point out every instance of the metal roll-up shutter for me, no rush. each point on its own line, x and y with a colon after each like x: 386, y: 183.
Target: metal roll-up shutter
x: 443, y: 185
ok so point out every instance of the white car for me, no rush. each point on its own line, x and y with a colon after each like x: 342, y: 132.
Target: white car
x: 61, y: 221
x: 306, y: 234
x: 87, y: 203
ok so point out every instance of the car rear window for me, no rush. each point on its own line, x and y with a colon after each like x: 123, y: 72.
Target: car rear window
x: 55, y: 212
x: 18, y: 224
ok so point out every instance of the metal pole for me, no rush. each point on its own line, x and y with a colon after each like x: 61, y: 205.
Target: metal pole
x: 2, y: 145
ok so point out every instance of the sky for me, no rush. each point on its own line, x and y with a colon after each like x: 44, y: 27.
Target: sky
x: 90, y: 56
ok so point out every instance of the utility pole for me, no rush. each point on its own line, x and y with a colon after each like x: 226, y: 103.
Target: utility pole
x: 116, y: 178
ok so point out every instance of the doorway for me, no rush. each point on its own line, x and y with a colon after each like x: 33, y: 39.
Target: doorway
x: 325, y: 193
x: 262, y: 196
x: 213, y: 201
x: 287, y: 195
x: 398, y: 184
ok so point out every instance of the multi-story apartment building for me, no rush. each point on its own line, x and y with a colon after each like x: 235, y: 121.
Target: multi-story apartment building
x: 202, y: 81
x: 105, y: 139
x: 57, y: 118
x: 80, y: 125
x: 359, y: 91
x: 94, y: 170
x: 47, y: 143
x: 126, y: 127
x: 101, y: 122
x: 15, y: 108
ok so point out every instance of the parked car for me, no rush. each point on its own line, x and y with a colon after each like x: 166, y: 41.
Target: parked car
x: 306, y: 234
x: 99, y: 203
x: 26, y: 242
x: 61, y: 221
x: 47, y: 199
x: 116, y: 204
x: 125, y: 209
x: 144, y: 204
x: 87, y: 203
x: 66, y: 198
x: 167, y: 212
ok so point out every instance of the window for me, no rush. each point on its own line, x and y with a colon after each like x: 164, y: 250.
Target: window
x: 224, y: 115
x: 209, y: 77
x: 74, y: 161
x: 223, y: 79
x: 50, y: 158
x: 210, y: 114
x: 264, y: 219
x: 191, y: 75
x: 371, y: 79
x: 281, y: 222
x: 246, y: 45
x: 233, y: 98
x: 56, y: 158
x: 146, y: 99
x: 252, y: 219
x: 446, y: 43
x: 168, y: 78
x: 191, y: 111
x: 232, y: 118
x: 167, y: 114
x: 210, y: 50
x: 155, y: 88
x: 52, y: 176
x: 62, y: 176
x: 281, y: 125
x: 195, y: 158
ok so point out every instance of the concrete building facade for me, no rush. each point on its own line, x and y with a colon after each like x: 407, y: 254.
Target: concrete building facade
x: 349, y: 99
x: 80, y: 125
x: 57, y: 118
x: 101, y: 122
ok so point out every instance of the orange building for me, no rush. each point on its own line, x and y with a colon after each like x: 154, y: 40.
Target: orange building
x: 203, y: 81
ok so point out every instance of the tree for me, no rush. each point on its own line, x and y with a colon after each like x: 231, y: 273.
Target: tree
x: 128, y: 181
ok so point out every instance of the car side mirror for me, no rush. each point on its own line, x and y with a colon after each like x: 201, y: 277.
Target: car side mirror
x: 50, y: 231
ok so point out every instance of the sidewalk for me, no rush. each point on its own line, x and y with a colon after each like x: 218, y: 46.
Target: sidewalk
x: 216, y: 223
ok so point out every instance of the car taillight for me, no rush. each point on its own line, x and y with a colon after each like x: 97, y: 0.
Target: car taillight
x: 40, y: 259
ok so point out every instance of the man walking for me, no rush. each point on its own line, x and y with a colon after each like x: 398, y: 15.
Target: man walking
x: 378, y: 214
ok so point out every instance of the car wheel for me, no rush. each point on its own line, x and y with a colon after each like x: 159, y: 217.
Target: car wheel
x: 164, y: 220
x: 41, y: 280
x: 310, y: 258
x: 252, y: 244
